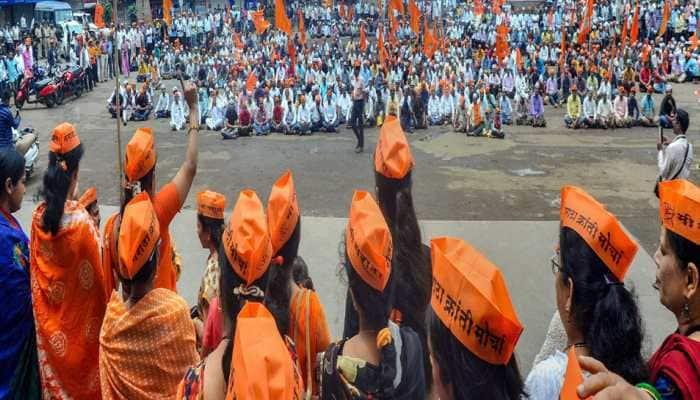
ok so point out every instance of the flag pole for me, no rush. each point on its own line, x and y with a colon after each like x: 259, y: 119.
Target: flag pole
x: 115, y: 67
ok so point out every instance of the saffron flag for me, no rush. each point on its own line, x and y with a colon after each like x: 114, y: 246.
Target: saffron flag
x: 363, y: 38
x: 99, y: 15
x: 478, y: 8
x: 664, y: 18
x: 396, y: 5
x: 251, y: 82
x: 428, y: 41
x: 237, y: 40
x: 623, y: 35
x: 694, y: 41
x: 394, y: 23
x: 562, y: 53
x: 585, y: 28
x: 167, y: 9
x: 634, y: 33
x: 502, y: 42
x: 302, y: 31
x: 341, y: 10
x: 383, y: 54
x: 259, y: 21
x: 414, y: 12
x: 292, y: 51
x: 282, y: 21
x: 351, y: 13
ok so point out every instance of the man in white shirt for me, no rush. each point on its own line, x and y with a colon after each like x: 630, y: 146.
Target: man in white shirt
x: 604, y: 111
x: 675, y: 157
x: 589, y: 111
x: 330, y: 113
x: 178, y: 112
x: 434, y: 114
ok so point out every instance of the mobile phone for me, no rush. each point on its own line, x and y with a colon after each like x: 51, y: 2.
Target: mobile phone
x: 661, y: 134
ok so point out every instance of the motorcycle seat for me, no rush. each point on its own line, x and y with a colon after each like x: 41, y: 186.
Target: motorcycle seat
x: 44, y: 82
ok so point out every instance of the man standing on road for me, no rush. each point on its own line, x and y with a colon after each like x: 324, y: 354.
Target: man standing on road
x: 676, y: 156
x: 359, y: 93
x: 7, y: 122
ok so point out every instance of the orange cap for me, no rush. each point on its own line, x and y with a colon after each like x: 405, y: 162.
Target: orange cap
x: 246, y: 240
x: 261, y: 367
x: 89, y: 197
x: 572, y: 378
x: 368, y: 241
x: 393, y: 158
x: 63, y: 139
x: 680, y: 208
x: 599, y: 228
x: 282, y: 211
x: 139, y: 234
x: 470, y: 297
x: 211, y: 204
x: 140, y: 155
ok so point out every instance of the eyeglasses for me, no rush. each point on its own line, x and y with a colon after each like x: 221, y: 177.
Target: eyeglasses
x: 556, y: 263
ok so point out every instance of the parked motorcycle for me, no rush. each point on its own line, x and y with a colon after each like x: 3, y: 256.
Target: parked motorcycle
x: 42, y: 88
x: 32, y: 153
x: 70, y: 82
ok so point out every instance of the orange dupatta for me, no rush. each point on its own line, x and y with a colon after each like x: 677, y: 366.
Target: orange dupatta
x: 319, y: 337
x: 69, y: 303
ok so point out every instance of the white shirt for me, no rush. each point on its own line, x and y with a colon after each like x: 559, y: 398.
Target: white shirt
x: 671, y: 159
x: 545, y: 379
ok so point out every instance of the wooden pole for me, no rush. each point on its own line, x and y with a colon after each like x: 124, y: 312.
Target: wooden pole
x: 120, y: 162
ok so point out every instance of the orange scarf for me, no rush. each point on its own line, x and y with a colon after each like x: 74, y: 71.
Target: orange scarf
x: 69, y: 303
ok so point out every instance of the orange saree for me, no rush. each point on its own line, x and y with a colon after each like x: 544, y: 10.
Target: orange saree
x: 69, y: 303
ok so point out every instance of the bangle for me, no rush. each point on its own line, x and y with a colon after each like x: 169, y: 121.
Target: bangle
x: 649, y: 389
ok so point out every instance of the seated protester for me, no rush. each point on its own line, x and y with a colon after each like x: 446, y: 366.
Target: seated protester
x: 420, y: 107
x: 178, y: 112
x: 370, y: 115
x: 497, y: 126
x: 620, y: 109
x: 633, y: 114
x: 261, y: 121
x: 143, y: 70
x: 89, y: 201
x: 446, y: 108
x: 127, y: 108
x: 599, y: 315
x: 142, y: 105
x: 605, y: 113
x: 463, y: 274
x: 303, y: 117
x: 506, y: 109
x: 230, y: 129
x: 648, y: 117
x: 476, y: 124
x: 393, y: 102
x: 112, y: 102
x: 245, y: 120
x: 215, y: 120
x: 573, y: 118
x: 289, y: 124
x: 677, y: 74
x: 329, y: 115
x: 344, y: 105
x: 691, y: 68
x: 667, y: 108
x: 390, y: 364
x: 590, y: 115
x: 523, y: 113
x: 205, y: 104
x: 316, y: 110
x: 210, y: 225
x: 434, y: 112
x: 673, y: 369
x: 131, y: 366
x: 461, y: 118
x: 245, y: 275
x: 645, y: 77
x: 379, y: 106
x: 162, y: 109
x: 278, y: 115
x: 304, y: 320
x: 552, y: 85
x: 537, y: 108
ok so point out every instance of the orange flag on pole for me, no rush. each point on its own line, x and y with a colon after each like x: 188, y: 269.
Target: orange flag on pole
x: 585, y: 27
x: 302, y: 31
x: 414, y: 12
x: 251, y: 82
x: 478, y: 8
x: 282, y: 21
x: 623, y: 34
x: 363, y: 37
x: 351, y: 13
x: 237, y: 40
x: 634, y: 33
x: 167, y: 9
x: 664, y: 18
x: 99, y: 15
x: 397, y: 5
x: 383, y: 54
x: 428, y: 40
x: 341, y: 10
x: 694, y: 41
x: 562, y: 53
x: 259, y: 21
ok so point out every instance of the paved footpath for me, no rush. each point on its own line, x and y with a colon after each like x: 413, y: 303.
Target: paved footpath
x: 521, y: 249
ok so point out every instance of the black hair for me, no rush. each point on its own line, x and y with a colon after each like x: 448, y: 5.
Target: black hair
x: 146, y: 182
x: 5, y: 96
x: 683, y: 119
x: 214, y: 227
x: 300, y: 274
x: 57, y: 182
x: 603, y: 309
x: 413, y: 269
x: 11, y: 167
x: 685, y: 251
x: 470, y: 376
x: 376, y: 307
x: 231, y: 304
x: 278, y: 293
x: 145, y: 274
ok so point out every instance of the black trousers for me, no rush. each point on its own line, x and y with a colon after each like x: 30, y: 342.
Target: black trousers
x: 356, y: 120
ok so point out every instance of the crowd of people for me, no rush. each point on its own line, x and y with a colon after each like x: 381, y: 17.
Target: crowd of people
x: 91, y: 309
